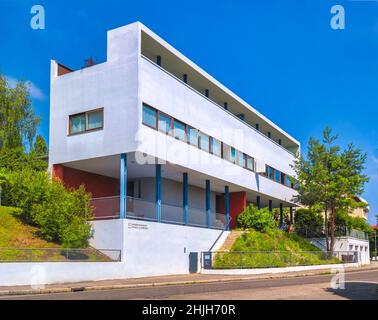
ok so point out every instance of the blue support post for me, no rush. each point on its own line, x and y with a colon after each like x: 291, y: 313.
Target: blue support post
x: 158, y: 193
x: 208, y: 204
x: 227, y: 206
x: 258, y: 202
x: 123, y: 187
x: 185, y: 197
x: 291, y: 215
x: 281, y: 214
x: 270, y: 205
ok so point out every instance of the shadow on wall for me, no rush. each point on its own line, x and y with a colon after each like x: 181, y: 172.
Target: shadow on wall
x: 357, y: 291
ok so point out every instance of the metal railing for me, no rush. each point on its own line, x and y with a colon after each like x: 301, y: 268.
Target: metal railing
x: 141, y: 209
x: 59, y: 255
x: 272, y: 259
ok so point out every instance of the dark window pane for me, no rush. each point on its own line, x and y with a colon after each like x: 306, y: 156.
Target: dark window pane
x: 278, y: 176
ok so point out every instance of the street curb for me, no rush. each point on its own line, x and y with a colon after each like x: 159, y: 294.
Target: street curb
x: 74, y: 288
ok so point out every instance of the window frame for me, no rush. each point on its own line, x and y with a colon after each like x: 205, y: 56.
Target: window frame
x: 85, y: 113
x: 199, y: 141
x: 188, y: 128
x: 212, y: 139
x: 156, y: 116
x: 170, y: 131
x: 185, y: 130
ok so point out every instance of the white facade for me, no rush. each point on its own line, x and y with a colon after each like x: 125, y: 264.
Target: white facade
x: 126, y: 81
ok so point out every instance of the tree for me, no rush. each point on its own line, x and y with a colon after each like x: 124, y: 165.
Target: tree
x: 308, y: 223
x: 329, y: 179
x: 18, y: 122
x: 18, y: 125
x: 40, y: 147
x: 258, y: 219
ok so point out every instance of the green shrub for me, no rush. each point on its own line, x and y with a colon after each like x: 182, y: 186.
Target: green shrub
x: 308, y: 223
x: 62, y: 215
x: 258, y: 219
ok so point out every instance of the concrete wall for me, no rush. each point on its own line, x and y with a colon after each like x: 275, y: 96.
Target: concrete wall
x: 151, y: 248
x: 113, y: 86
x: 35, y: 274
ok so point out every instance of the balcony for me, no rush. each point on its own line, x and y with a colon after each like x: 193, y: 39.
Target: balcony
x: 141, y: 209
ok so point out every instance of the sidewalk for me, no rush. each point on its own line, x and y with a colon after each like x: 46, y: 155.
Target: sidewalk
x: 162, y: 281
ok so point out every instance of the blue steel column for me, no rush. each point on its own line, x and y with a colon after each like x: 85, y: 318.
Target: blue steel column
x: 227, y: 206
x: 270, y: 205
x: 208, y: 203
x: 158, y: 193
x: 281, y: 214
x: 123, y: 186
x: 185, y: 197
x: 258, y: 202
x: 291, y: 215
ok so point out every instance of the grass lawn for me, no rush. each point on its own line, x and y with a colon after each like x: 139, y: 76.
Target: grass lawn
x: 273, y: 249
x: 15, y: 235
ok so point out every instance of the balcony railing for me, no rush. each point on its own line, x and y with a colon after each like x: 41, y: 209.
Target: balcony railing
x: 108, y: 208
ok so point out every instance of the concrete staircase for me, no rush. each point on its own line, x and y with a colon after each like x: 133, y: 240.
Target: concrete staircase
x: 227, y: 244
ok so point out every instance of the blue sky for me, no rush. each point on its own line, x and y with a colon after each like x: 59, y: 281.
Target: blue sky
x: 279, y: 55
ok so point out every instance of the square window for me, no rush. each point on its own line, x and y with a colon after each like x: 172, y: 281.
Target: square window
x: 77, y: 123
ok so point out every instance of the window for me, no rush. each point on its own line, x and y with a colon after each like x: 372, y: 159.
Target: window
x: 233, y: 155
x: 216, y: 147
x: 193, y: 136
x: 287, y: 181
x: 250, y: 163
x: 204, y: 143
x: 283, y: 177
x: 95, y: 119
x: 164, y: 123
x: 77, y: 123
x: 86, y: 121
x: 179, y: 130
x: 270, y: 172
x: 149, y: 116
x: 278, y: 176
x: 240, y: 159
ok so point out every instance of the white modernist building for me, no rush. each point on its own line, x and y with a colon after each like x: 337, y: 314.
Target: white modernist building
x: 163, y: 147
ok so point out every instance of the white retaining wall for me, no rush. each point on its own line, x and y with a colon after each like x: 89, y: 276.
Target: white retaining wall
x: 36, y: 274
x: 148, y: 249
x: 277, y: 270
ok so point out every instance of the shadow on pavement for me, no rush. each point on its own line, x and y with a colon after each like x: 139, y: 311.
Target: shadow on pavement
x: 357, y: 291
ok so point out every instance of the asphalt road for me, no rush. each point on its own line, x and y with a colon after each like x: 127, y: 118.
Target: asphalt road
x: 358, y: 285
